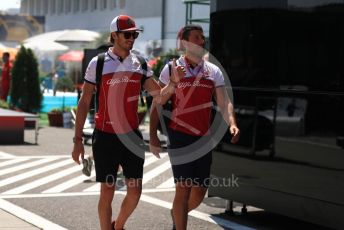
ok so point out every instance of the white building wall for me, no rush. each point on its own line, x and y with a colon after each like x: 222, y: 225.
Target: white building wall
x: 96, y: 15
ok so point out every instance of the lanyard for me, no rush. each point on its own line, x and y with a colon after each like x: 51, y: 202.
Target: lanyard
x: 192, y: 71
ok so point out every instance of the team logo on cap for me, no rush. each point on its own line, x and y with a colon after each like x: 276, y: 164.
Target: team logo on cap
x: 130, y: 22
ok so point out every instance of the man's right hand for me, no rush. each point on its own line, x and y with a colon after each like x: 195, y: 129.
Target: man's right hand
x: 78, y: 151
x: 154, y: 145
x: 178, y: 72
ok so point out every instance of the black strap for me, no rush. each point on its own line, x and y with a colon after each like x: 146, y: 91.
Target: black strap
x: 99, y: 71
x: 144, y: 69
x: 169, y: 69
x: 144, y: 77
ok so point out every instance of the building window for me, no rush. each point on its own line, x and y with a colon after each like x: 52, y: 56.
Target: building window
x: 93, y: 5
x: 45, y: 7
x: 76, y: 5
x: 103, y: 4
x: 60, y: 6
x: 67, y: 8
x: 37, y: 7
x: 31, y: 7
x: 84, y: 5
x: 52, y: 6
x: 24, y: 7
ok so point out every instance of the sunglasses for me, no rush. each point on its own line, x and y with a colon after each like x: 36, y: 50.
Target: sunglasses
x: 128, y: 35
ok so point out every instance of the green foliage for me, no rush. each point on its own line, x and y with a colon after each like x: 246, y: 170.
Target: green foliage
x: 142, y: 109
x: 18, y: 81
x: 3, y: 104
x: 65, y: 84
x: 25, y: 89
x: 33, y: 84
x: 43, y: 120
x: 162, y: 60
x: 61, y: 110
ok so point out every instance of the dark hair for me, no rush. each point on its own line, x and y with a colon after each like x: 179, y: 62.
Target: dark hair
x: 111, y: 40
x: 184, y: 33
x: 6, y: 54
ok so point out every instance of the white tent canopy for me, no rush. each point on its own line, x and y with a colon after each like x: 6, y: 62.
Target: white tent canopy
x: 49, y: 36
x: 66, y: 35
x: 77, y: 36
x: 45, y: 46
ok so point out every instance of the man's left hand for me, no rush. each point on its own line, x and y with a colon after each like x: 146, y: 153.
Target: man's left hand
x: 235, y: 132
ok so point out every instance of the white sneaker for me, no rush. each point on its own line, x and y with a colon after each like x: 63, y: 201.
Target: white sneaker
x: 87, y: 166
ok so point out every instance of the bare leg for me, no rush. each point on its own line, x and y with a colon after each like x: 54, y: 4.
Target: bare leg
x: 196, y: 197
x: 180, y: 205
x: 104, y: 205
x: 134, y: 188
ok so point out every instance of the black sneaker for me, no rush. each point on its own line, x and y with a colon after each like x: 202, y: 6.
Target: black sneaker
x: 173, y: 224
x: 113, y: 225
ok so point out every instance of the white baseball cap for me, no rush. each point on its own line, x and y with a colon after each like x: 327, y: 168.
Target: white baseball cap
x: 123, y: 23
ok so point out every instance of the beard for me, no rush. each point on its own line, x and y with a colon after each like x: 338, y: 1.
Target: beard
x: 197, y: 51
x: 127, y: 46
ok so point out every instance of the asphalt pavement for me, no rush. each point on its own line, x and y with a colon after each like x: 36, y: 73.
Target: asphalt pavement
x: 42, y: 188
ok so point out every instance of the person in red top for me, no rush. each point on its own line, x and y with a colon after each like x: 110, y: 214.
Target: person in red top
x: 189, y: 136
x: 6, y: 76
x: 116, y: 139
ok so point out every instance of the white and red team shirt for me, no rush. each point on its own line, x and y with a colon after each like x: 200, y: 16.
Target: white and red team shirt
x: 192, y: 100
x: 119, y: 87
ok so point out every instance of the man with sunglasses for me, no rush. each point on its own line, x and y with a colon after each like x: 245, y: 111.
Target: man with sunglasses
x: 190, y: 140
x: 116, y: 138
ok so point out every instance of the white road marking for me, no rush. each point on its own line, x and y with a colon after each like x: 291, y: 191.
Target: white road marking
x: 93, y: 188
x: 42, y: 181
x: 167, y: 184
x: 197, y: 214
x: 152, y: 174
x: 5, y: 155
x: 37, y: 156
x: 26, y: 165
x: 155, y: 172
x: 146, y: 177
x: 29, y: 217
x: 55, y: 191
x: 34, y: 172
x: 150, y: 160
x: 13, y: 161
x: 161, y: 203
x: 156, y: 190
x: 41, y: 195
x: 70, y: 183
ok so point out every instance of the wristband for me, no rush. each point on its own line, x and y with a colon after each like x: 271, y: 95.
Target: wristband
x: 77, y: 139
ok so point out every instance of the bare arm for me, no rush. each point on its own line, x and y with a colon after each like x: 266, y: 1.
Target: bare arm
x: 161, y: 98
x: 154, y: 90
x: 227, y: 111
x: 81, y: 114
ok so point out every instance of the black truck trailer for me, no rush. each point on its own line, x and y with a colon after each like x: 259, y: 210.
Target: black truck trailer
x: 286, y: 66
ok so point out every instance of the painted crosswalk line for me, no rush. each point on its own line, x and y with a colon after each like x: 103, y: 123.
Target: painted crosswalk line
x: 47, y: 178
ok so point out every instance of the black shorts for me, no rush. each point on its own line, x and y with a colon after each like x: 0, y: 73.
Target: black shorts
x: 195, y: 172
x: 109, y: 152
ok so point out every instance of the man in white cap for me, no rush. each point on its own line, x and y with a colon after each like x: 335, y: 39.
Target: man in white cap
x: 116, y: 138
